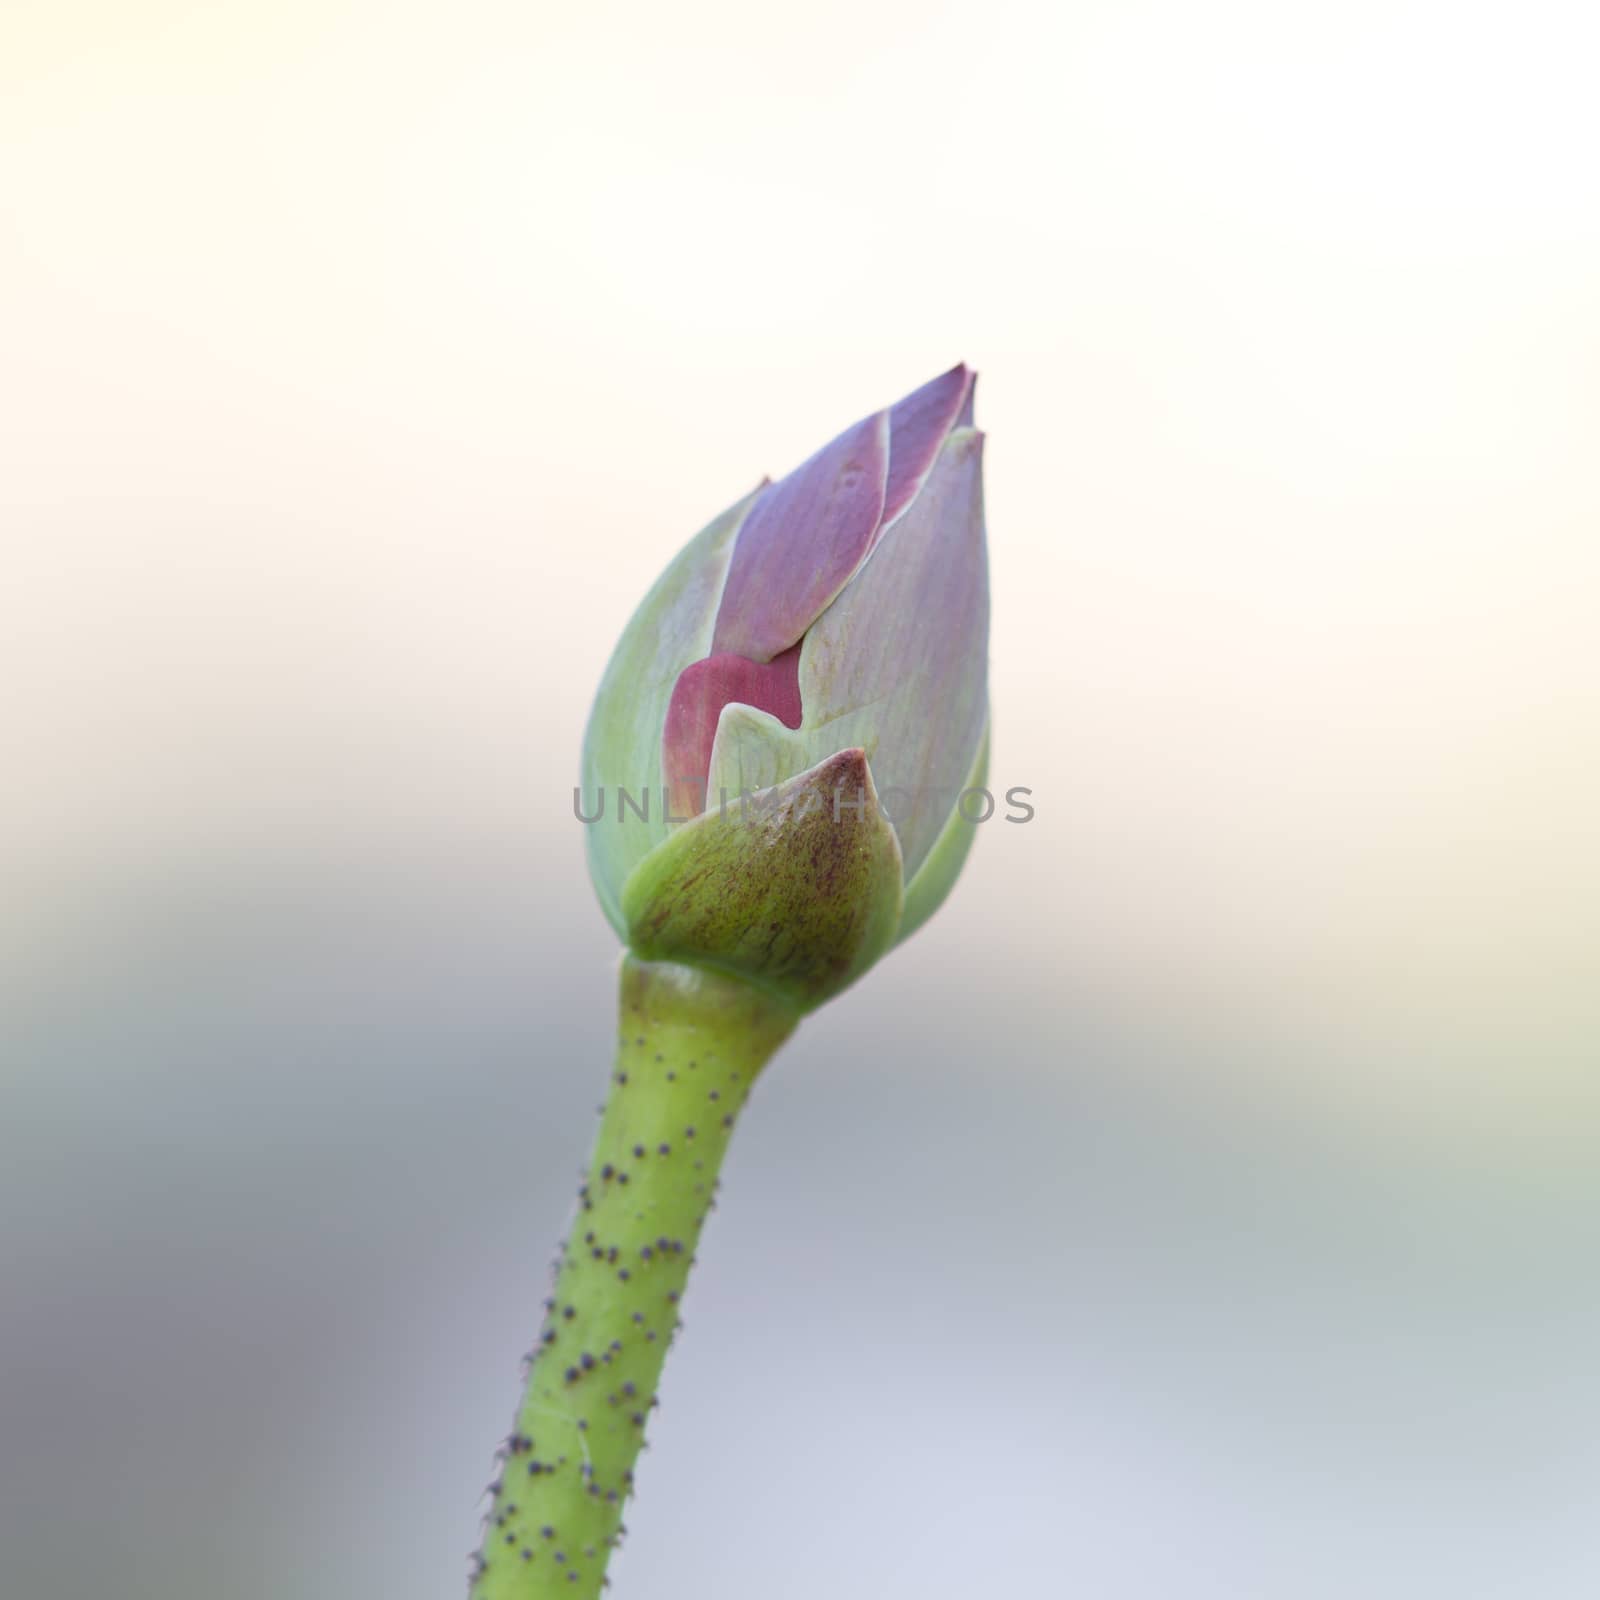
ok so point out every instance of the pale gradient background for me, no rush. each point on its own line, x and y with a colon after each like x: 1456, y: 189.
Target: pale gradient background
x: 1208, y: 1203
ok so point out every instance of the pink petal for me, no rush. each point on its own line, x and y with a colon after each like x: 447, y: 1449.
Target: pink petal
x: 699, y: 695
x: 802, y: 543
x: 899, y: 662
x: 918, y: 426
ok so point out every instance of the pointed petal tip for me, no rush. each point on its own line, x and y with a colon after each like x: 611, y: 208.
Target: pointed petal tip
x: 920, y: 423
x: 964, y: 419
x: 953, y: 382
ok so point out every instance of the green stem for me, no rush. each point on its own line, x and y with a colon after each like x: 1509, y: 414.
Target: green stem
x: 689, y: 1046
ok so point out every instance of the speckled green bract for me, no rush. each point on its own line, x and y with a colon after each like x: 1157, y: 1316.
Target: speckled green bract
x: 799, y: 894
x: 690, y: 1044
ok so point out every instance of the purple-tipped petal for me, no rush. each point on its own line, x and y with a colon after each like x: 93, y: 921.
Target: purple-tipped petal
x: 899, y: 663
x: 918, y: 426
x: 802, y: 543
x: 699, y: 695
x: 965, y: 419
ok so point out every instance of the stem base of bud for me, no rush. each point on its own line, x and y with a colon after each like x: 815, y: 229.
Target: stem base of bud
x: 690, y: 1045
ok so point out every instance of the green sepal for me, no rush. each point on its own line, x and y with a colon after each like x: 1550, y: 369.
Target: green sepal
x: 795, y: 888
x: 936, y: 877
x: 622, y: 743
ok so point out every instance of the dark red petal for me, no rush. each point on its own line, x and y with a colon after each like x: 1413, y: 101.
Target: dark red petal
x: 699, y: 695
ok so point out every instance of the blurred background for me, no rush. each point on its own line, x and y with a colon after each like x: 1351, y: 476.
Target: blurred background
x: 1207, y: 1203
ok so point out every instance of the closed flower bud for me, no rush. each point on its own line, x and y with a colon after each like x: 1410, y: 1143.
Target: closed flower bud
x: 783, y: 734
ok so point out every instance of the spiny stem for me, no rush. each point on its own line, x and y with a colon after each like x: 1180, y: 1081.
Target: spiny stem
x: 689, y: 1046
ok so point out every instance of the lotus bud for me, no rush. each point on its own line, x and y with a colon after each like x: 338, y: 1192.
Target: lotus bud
x: 779, y: 745
x: 772, y: 777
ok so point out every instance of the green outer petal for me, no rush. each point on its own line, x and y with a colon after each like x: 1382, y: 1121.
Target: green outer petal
x: 622, y: 744
x: 753, y: 751
x: 797, y: 893
x: 935, y: 878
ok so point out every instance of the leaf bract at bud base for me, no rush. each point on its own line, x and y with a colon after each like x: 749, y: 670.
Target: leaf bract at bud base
x: 796, y: 888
